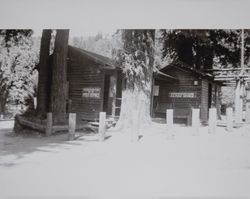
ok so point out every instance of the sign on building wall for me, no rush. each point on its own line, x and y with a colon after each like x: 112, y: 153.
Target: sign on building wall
x: 181, y: 95
x: 91, y: 92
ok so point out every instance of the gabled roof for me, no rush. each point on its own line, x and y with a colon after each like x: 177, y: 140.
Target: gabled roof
x: 184, y: 67
x: 105, y: 62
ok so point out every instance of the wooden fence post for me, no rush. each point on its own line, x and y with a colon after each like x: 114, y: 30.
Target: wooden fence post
x: 49, y: 124
x: 170, y: 123
x: 72, y: 126
x: 102, y: 125
x: 212, y: 120
x: 195, y: 120
x: 229, y: 116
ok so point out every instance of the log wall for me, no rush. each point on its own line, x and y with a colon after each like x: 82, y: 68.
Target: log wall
x: 84, y: 73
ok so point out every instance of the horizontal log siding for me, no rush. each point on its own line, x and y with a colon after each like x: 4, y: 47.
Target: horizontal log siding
x: 83, y: 72
x: 185, y: 84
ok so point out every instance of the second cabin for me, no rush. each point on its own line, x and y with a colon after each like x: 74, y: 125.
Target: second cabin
x: 181, y: 88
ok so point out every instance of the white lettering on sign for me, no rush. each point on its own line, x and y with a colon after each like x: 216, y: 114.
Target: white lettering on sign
x: 181, y: 95
x: 91, y: 92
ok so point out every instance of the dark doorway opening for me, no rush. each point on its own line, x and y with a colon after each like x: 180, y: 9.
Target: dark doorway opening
x: 209, y: 95
x: 106, y: 94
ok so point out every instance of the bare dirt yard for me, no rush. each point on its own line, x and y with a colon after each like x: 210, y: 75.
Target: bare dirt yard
x: 204, y: 165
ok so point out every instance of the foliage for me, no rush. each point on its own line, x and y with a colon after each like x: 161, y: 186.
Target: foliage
x: 204, y: 48
x: 135, y: 57
x: 18, y: 57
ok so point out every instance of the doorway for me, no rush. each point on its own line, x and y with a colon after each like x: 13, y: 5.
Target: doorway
x: 106, y: 94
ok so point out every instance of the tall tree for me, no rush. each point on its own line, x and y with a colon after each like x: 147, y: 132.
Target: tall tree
x: 44, y: 69
x: 136, y: 59
x: 59, y: 76
x: 18, y: 56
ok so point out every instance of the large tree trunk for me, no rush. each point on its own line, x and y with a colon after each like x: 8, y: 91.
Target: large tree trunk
x: 136, y: 95
x: 4, y: 92
x: 59, y: 77
x: 43, y: 95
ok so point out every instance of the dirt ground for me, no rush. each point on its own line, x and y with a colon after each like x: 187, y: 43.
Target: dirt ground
x: 158, y: 165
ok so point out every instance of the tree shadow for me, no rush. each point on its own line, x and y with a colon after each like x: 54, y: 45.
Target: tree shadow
x: 14, y: 147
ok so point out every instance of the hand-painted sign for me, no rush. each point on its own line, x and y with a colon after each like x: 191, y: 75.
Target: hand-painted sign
x: 91, y: 92
x: 181, y: 95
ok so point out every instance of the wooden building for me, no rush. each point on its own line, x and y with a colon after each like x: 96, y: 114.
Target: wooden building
x: 92, y: 84
x: 95, y: 84
x: 182, y: 88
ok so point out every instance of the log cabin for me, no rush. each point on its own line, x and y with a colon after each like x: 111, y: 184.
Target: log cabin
x: 181, y: 88
x: 93, y: 84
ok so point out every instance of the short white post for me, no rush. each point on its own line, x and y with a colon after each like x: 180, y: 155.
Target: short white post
x: 102, y: 125
x: 49, y: 124
x: 195, y: 120
x: 170, y: 123
x: 212, y: 120
x: 72, y: 126
x: 229, y: 116
x: 1, y: 116
x: 35, y: 102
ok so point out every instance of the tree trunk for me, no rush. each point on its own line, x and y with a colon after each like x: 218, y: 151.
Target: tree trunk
x: 3, y: 100
x: 59, y: 77
x: 136, y: 94
x: 43, y: 95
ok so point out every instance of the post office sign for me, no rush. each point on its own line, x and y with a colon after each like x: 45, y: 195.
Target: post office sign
x: 91, y: 92
x: 181, y: 95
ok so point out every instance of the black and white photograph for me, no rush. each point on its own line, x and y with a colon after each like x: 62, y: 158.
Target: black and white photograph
x: 125, y: 99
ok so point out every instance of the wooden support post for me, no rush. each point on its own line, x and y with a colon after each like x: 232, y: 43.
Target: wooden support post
x: 195, y: 120
x: 170, y: 123
x: 212, y: 120
x: 238, y: 103
x: 229, y: 115
x: 248, y: 105
x: 72, y: 126
x: 102, y: 125
x: 241, y: 100
x: 49, y: 124
x: 112, y: 93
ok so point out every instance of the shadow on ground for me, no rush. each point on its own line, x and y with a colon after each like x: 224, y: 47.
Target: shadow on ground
x: 14, y: 147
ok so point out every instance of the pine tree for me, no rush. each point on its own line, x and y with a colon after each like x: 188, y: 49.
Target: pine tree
x: 59, y: 76
x: 44, y: 69
x: 137, y: 59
